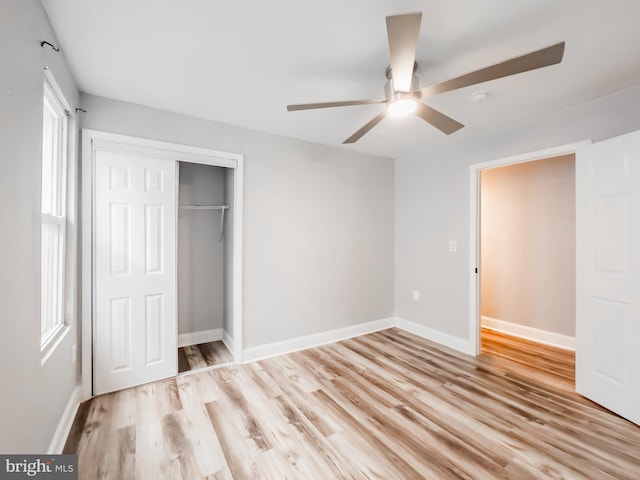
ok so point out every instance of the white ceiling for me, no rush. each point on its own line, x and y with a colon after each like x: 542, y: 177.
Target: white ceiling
x: 241, y: 62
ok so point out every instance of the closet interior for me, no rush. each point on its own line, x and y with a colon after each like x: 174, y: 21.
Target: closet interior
x: 205, y: 248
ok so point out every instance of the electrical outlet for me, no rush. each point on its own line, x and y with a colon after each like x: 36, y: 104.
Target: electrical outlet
x: 73, y: 354
x: 416, y: 295
x: 453, y: 246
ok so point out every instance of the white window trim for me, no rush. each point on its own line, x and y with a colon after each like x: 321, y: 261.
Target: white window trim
x: 67, y: 218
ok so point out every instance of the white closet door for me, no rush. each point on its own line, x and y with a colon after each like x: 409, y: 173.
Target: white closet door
x: 608, y: 274
x: 135, y: 271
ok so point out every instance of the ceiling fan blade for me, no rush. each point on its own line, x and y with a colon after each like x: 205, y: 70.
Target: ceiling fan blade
x: 531, y: 61
x: 370, y: 124
x: 403, y: 31
x: 346, y: 103
x: 439, y: 120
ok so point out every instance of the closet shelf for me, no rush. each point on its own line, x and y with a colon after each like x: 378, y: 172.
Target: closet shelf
x: 209, y: 207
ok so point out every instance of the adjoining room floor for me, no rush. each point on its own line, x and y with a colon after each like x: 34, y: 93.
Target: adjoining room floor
x: 388, y: 405
x: 192, y: 357
x: 550, y: 364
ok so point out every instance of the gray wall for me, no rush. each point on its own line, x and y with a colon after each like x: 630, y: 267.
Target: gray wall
x: 528, y: 244
x: 200, y: 254
x: 432, y: 204
x: 318, y: 222
x: 33, y: 397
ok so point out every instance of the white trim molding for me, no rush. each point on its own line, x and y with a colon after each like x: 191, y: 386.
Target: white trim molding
x: 309, y: 341
x: 228, y: 342
x: 460, y: 344
x: 529, y: 333
x: 203, y: 336
x: 315, y: 340
x: 66, y: 422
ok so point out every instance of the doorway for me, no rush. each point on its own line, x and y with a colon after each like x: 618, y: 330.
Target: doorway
x: 527, y: 274
x: 475, y: 224
x: 527, y: 250
x: 607, y: 230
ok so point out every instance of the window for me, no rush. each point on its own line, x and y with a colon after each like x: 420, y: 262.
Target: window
x: 54, y: 219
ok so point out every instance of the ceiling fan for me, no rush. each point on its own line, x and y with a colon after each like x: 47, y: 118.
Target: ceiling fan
x: 402, y: 89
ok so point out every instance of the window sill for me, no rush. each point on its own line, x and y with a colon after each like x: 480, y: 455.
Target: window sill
x: 52, y: 343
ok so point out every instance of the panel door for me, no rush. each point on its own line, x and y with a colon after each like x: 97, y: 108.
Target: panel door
x: 135, y: 271
x: 608, y: 274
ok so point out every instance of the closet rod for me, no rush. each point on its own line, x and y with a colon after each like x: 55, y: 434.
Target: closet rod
x: 209, y: 207
x: 204, y: 207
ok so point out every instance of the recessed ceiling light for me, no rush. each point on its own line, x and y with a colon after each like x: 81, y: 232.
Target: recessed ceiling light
x: 480, y: 96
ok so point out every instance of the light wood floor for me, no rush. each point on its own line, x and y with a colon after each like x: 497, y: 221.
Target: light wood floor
x: 193, y: 357
x: 388, y: 405
x: 551, y: 365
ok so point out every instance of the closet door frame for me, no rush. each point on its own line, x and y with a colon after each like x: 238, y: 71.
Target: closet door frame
x: 94, y: 140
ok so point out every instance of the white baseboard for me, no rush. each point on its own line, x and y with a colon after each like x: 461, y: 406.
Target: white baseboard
x: 66, y: 421
x: 456, y: 343
x: 227, y: 340
x: 204, y: 336
x: 315, y: 340
x: 529, y: 333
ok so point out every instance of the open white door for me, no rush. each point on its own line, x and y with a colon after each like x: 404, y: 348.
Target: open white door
x: 608, y: 274
x: 135, y: 279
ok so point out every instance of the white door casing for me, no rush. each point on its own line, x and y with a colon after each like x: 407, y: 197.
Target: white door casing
x: 474, y: 226
x: 135, y: 337
x: 608, y: 274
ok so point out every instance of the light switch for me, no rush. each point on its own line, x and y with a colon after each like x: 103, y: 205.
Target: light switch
x: 453, y: 246
x: 416, y: 295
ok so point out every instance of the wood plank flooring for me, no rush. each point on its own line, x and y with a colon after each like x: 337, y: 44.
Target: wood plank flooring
x: 388, y: 405
x: 535, y: 360
x: 193, y: 357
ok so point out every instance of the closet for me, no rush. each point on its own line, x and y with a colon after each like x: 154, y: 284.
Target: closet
x: 162, y: 244
x: 204, y: 262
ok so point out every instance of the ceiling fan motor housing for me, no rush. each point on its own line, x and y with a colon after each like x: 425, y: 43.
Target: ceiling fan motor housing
x: 389, y: 90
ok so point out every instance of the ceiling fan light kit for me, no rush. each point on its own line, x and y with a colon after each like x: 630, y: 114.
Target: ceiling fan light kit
x: 402, y: 90
x: 401, y: 104
x: 402, y: 107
